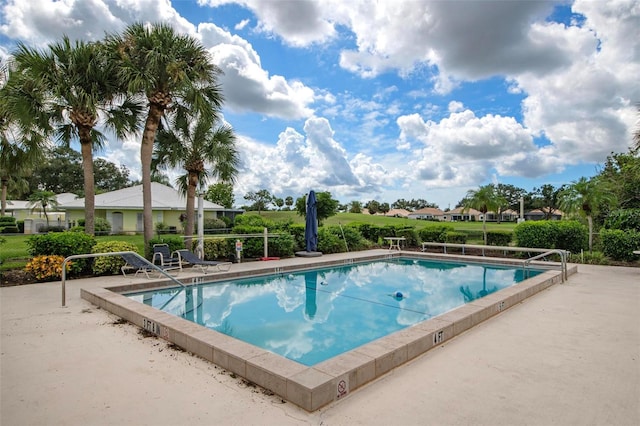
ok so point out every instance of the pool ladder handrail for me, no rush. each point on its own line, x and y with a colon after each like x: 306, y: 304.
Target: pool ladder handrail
x: 115, y: 253
x: 543, y: 252
x: 563, y: 261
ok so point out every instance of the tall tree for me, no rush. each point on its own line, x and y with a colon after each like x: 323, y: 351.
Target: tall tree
x: 484, y: 199
x: 584, y: 196
x: 261, y: 199
x: 622, y: 173
x: 173, y: 71
x: 326, y: 206
x: 547, y: 199
x: 42, y: 200
x: 193, y: 147
x: 81, y: 93
x: 22, y: 130
x: 220, y: 193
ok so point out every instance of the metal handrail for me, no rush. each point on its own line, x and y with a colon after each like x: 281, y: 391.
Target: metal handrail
x: 544, y: 252
x: 563, y: 261
x: 115, y: 253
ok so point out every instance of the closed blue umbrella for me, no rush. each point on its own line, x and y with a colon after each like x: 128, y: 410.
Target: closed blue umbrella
x: 311, y: 225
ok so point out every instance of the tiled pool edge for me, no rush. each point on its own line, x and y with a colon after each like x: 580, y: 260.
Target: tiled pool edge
x: 313, y: 387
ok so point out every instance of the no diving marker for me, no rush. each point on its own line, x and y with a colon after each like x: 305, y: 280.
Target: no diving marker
x: 342, y: 387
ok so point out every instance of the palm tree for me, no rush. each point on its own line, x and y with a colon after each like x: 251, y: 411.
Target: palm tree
x: 485, y: 199
x: 80, y: 93
x: 191, y: 147
x: 174, y: 72
x: 21, y: 135
x: 585, y: 196
x: 42, y: 200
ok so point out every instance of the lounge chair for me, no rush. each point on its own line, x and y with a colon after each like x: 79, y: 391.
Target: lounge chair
x: 142, y: 266
x: 162, y: 256
x: 204, y: 265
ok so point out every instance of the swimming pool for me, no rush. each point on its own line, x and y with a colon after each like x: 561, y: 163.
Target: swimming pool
x: 315, y: 386
x: 311, y: 316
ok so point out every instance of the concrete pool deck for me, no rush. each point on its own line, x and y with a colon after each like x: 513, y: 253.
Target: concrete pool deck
x: 568, y: 355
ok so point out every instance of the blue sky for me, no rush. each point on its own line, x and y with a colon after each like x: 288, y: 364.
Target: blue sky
x: 393, y: 99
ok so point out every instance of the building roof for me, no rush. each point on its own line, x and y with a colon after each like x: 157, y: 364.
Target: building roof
x: 428, y: 211
x: 458, y: 210
x: 398, y: 212
x: 162, y: 198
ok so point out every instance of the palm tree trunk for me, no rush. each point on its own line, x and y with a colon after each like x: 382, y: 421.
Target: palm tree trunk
x: 590, y: 222
x: 146, y: 154
x: 191, y: 197
x: 484, y: 227
x: 3, y: 202
x: 89, y: 183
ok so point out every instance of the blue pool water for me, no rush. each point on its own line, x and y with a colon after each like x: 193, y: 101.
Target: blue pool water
x: 311, y: 316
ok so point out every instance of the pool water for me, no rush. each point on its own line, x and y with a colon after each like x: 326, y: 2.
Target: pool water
x: 314, y: 315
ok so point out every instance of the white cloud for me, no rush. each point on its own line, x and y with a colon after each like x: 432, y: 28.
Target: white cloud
x: 247, y: 86
x: 316, y: 161
x: 462, y: 149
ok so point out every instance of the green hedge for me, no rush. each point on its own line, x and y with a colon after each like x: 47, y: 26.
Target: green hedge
x: 623, y: 219
x: 63, y: 244
x: 218, y: 248
x: 104, y: 265
x: 435, y: 233
x: 499, y: 238
x: 619, y: 245
x: 567, y: 235
x: 455, y: 237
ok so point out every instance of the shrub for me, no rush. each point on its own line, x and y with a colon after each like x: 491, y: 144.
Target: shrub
x: 618, y: 244
x: 218, y: 248
x: 101, y: 226
x: 47, y: 267
x: 9, y: 230
x: 20, y: 224
x: 535, y: 234
x: 213, y: 226
x: 553, y: 234
x: 623, y: 219
x: 110, y: 264
x: 455, y: 237
x: 594, y: 258
x: 77, y: 229
x: 410, y: 234
x: 297, y: 232
x: 174, y: 243
x: 329, y: 241
x: 499, y: 238
x: 63, y: 244
x: 435, y: 233
x: 281, y: 246
x: 253, y: 220
x: 161, y: 227
x: 570, y: 235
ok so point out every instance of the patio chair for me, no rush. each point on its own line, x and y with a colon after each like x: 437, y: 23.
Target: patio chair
x: 162, y: 255
x: 204, y: 265
x: 142, y: 266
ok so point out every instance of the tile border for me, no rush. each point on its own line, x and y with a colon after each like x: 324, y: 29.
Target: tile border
x: 314, y: 387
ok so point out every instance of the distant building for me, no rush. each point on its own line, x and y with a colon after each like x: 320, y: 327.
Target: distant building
x: 427, y: 213
x: 460, y: 214
x: 123, y: 208
x: 398, y: 213
x: 541, y: 214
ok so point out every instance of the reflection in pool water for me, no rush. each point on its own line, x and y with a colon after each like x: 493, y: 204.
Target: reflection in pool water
x: 311, y: 316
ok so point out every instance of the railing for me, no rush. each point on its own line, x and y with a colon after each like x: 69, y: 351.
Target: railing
x: 115, y: 253
x: 563, y: 261
x: 543, y: 252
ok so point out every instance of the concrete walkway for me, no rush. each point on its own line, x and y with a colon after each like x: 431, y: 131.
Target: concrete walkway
x: 567, y: 356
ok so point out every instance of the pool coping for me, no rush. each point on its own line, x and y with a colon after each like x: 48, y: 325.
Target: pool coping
x: 314, y: 387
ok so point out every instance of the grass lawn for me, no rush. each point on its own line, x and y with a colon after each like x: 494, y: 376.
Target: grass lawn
x: 14, y: 252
